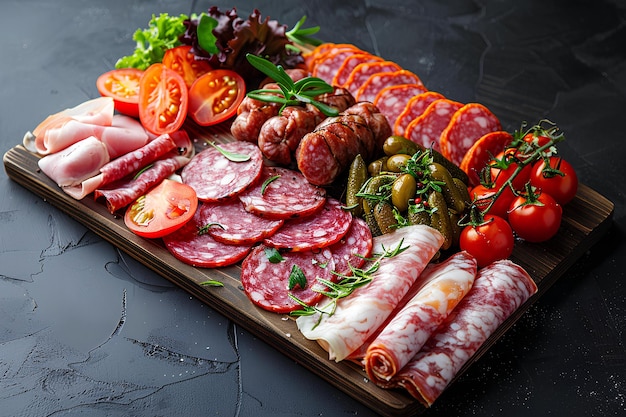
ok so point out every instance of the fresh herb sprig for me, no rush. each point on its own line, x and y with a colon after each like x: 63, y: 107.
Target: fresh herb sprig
x: 302, y: 36
x: 231, y: 156
x: 294, y: 93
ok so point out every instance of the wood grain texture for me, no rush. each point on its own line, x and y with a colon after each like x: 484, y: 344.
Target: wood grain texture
x: 586, y: 219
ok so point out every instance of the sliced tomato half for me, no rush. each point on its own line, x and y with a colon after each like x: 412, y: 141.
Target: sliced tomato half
x: 123, y: 86
x: 181, y: 60
x: 162, y: 99
x: 164, y: 209
x: 215, y: 96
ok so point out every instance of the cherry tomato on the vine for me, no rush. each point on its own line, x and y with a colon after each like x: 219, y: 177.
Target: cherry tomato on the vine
x: 491, y: 241
x: 559, y: 179
x: 536, y: 218
x: 215, y: 96
x: 501, y: 174
x: 482, y: 196
x: 123, y: 85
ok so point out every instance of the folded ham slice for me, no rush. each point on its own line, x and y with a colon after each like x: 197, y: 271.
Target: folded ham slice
x: 442, y: 286
x: 498, y: 290
x: 358, y: 316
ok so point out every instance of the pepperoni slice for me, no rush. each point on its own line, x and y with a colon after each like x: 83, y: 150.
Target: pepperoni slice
x: 348, y: 64
x: 468, y: 125
x: 426, y: 129
x: 414, y: 108
x: 231, y: 224
x: 266, y: 283
x: 282, y: 193
x: 217, y: 178
x: 477, y: 157
x: 392, y: 100
x: 324, y: 228
x: 200, y: 249
x: 362, y: 72
x: 376, y: 82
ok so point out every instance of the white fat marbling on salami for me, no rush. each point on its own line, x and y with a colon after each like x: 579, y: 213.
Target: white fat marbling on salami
x: 376, y: 82
x: 359, y: 75
x: 289, y: 196
x: 322, y: 229
x: 352, y: 249
x: 414, y: 108
x: 392, y: 100
x: 442, y: 286
x: 426, y: 129
x: 266, y: 283
x: 216, y: 178
x: 360, y: 315
x: 499, y: 289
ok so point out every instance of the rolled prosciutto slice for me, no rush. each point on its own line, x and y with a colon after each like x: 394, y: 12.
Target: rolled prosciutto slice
x: 442, y: 286
x: 499, y: 289
x: 359, y: 315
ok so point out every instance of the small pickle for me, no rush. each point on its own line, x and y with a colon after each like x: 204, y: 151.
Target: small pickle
x: 450, y: 192
x: 456, y: 229
x: 440, y: 218
x: 383, y: 213
x: 371, y: 188
x: 463, y: 191
x: 397, y: 162
x: 402, y: 191
x: 377, y: 166
x: 418, y: 215
x: 357, y: 175
x: 396, y: 144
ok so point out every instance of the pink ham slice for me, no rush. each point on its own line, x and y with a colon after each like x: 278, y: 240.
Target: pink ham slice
x: 442, y: 286
x: 360, y: 315
x: 499, y: 289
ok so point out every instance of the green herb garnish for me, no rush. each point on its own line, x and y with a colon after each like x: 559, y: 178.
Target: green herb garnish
x: 212, y: 283
x: 267, y: 182
x: 273, y: 255
x: 205, y: 229
x: 231, y: 156
x: 296, y: 278
x: 302, y: 36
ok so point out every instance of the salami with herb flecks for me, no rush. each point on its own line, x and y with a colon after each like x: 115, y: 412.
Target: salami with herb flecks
x: 322, y: 229
x: 282, y: 193
x: 217, y: 178
x: 265, y: 280
x: 414, y: 108
x: 426, y: 129
x: 392, y: 100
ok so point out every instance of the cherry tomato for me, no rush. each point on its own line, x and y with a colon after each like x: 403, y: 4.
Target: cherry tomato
x: 500, y: 175
x: 123, y: 86
x: 536, y: 139
x: 163, y: 99
x: 559, y: 180
x: 535, y: 222
x: 482, y: 197
x: 488, y: 242
x: 162, y: 210
x: 215, y: 96
x: 181, y: 60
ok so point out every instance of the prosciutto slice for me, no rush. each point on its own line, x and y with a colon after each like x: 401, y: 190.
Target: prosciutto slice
x: 358, y: 316
x: 499, y: 289
x: 442, y: 286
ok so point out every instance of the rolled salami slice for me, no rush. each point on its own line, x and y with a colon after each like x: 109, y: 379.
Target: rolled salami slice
x: 468, y: 124
x: 442, y: 286
x: 193, y: 247
x: 358, y: 316
x: 348, y: 64
x: 363, y: 71
x: 217, y: 178
x: 414, y: 108
x: 322, y: 229
x: 392, y: 100
x: 265, y: 280
x: 282, y: 193
x: 230, y: 223
x: 426, y: 129
x: 376, y: 82
x: 499, y: 289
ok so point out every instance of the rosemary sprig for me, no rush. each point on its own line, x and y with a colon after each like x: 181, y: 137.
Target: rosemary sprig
x: 302, y: 36
x: 303, y: 91
x: 231, y: 156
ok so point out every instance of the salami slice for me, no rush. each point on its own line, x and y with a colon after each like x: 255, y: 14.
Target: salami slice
x: 233, y: 225
x: 392, y: 100
x: 376, y: 82
x: 468, y: 125
x: 266, y: 281
x: 282, y: 193
x: 363, y: 71
x: 481, y: 152
x: 327, y: 66
x: 322, y: 229
x: 426, y: 129
x: 414, y: 108
x: 321, y: 52
x: 192, y: 247
x: 216, y: 178
x: 348, y: 64
x: 354, y: 248
x: 499, y: 289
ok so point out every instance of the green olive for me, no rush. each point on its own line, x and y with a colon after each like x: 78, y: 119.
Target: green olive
x: 376, y: 167
x: 399, y: 145
x: 403, y: 190
x: 396, y: 162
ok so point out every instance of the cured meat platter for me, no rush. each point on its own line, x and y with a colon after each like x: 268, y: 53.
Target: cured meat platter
x: 585, y: 221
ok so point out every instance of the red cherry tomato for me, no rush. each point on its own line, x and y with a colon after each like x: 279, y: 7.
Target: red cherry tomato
x: 559, y: 179
x: 501, y: 174
x: 482, y: 197
x: 489, y: 242
x: 123, y: 86
x: 163, y: 99
x: 535, y: 222
x: 162, y: 210
x: 181, y: 60
x: 215, y: 96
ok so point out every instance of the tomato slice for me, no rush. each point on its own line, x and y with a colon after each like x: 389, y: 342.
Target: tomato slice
x: 162, y: 210
x: 123, y: 86
x: 163, y: 99
x: 215, y: 96
x: 181, y: 60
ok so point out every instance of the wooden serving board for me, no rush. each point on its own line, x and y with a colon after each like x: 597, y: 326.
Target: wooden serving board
x: 585, y: 221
